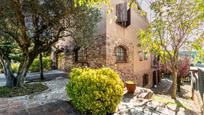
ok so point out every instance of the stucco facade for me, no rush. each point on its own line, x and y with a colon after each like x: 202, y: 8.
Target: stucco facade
x: 110, y: 35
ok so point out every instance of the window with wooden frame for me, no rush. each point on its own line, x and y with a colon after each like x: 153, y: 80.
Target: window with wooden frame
x: 121, y: 54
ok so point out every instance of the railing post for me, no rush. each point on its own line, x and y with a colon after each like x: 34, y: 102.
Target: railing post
x: 192, y: 84
x: 202, y: 107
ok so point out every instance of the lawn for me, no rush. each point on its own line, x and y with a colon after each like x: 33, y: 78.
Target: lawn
x: 170, y: 102
x: 21, y: 91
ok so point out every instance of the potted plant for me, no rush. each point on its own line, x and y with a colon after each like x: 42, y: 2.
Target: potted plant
x: 131, y: 86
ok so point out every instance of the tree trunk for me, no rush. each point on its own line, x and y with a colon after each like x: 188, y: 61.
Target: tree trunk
x: 179, y: 84
x: 174, y: 84
x: 22, y: 74
x: 6, y: 63
x: 10, y: 78
x: 54, y: 60
x: 23, y: 69
x: 41, y: 67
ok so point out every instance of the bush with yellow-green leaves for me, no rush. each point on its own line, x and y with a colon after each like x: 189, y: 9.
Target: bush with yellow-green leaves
x: 14, y: 67
x: 35, y: 66
x: 95, y: 91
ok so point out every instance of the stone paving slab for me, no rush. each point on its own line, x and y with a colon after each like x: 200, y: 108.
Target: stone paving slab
x: 53, y: 108
x: 55, y: 101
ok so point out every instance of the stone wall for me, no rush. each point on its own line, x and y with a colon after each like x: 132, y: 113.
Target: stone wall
x: 102, y: 53
x: 95, y: 55
x: 197, y: 88
x: 133, y: 69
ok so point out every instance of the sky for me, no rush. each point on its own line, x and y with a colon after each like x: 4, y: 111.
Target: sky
x: 145, y: 5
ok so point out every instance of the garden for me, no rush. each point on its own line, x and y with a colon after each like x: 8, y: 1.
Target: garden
x: 31, y: 29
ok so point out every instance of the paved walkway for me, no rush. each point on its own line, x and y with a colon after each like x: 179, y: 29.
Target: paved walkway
x: 54, y: 101
x: 163, y: 90
x: 163, y: 87
x: 36, y: 75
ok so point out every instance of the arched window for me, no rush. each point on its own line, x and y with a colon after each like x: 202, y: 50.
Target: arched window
x: 121, y: 54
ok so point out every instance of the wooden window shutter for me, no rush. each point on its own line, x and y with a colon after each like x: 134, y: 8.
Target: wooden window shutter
x: 121, y: 12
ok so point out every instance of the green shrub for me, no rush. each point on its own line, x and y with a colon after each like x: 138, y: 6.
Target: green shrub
x: 95, y: 91
x: 35, y: 66
x: 14, y: 67
x: 1, y: 69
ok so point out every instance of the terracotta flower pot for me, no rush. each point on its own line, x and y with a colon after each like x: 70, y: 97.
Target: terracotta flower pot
x: 131, y: 87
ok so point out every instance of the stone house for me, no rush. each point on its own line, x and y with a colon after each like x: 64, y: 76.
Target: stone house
x: 116, y: 46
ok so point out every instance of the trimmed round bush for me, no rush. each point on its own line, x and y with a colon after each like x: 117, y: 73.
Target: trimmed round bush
x: 95, y: 91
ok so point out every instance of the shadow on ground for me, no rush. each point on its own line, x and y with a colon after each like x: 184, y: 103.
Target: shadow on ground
x: 186, y: 111
x: 127, y: 97
x: 54, y: 108
x: 183, y: 103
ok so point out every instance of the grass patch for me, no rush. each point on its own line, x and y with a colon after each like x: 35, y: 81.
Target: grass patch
x: 21, y: 91
x: 170, y: 102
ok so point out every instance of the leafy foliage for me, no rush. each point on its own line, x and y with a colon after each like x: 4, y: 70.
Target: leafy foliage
x: 14, y: 67
x: 10, y: 49
x: 35, y: 66
x: 95, y: 91
x: 91, y: 2
x: 176, y: 26
x: 1, y: 68
x: 34, y: 26
x: 84, y: 21
x: 184, y: 67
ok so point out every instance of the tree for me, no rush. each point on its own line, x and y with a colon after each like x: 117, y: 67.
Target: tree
x: 82, y: 33
x: 183, y: 70
x: 34, y: 26
x: 176, y: 26
x: 8, y: 52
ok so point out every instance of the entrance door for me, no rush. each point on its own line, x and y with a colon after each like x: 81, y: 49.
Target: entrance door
x: 154, y: 78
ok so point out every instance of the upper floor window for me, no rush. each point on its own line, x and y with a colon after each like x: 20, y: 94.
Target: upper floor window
x: 121, y: 54
x: 123, y: 14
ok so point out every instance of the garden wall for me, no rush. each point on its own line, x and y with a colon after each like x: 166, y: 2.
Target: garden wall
x: 197, y: 83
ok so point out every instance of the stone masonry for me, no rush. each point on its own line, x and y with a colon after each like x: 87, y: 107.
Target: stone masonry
x: 109, y: 36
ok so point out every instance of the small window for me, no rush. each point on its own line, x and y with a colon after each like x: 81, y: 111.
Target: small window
x: 121, y: 54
